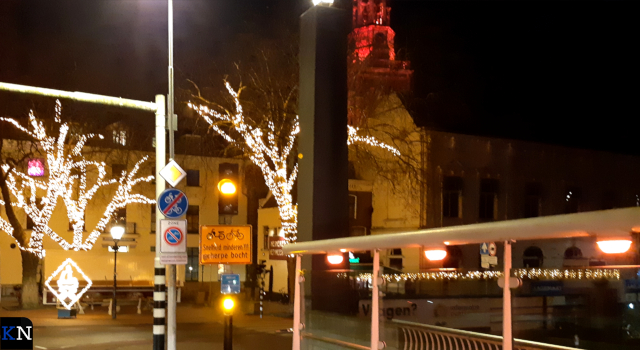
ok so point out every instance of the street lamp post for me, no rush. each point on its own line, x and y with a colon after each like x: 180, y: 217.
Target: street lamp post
x: 116, y: 233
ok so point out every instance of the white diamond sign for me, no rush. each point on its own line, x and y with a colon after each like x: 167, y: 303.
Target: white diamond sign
x: 173, y: 173
x: 67, y: 284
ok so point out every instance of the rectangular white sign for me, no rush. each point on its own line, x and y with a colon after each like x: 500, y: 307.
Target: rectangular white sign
x: 173, y: 242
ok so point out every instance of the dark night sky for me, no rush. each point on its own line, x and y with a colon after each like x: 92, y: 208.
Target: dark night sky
x: 559, y: 72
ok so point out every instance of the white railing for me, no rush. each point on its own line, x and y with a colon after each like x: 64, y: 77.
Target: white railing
x: 418, y: 336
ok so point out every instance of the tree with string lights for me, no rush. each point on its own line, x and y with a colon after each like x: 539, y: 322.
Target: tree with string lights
x: 72, y: 180
x: 270, y: 148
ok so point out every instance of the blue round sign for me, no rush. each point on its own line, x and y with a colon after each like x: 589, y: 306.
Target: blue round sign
x: 173, y: 203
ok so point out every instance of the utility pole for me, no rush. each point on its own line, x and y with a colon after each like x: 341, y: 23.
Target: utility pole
x: 171, y: 297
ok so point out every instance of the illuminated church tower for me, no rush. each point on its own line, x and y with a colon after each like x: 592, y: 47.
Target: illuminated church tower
x: 372, y: 61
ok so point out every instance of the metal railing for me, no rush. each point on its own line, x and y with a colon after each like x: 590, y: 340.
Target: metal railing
x: 418, y: 336
x: 340, y: 343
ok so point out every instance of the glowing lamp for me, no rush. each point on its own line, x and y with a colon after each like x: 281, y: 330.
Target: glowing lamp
x: 616, y: 246
x: 227, y: 305
x: 117, y: 232
x: 322, y: 2
x: 335, y: 259
x: 227, y: 187
x: 35, y: 167
x: 435, y: 254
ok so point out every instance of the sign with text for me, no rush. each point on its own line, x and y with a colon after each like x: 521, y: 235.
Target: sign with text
x: 173, y: 244
x: 275, y: 248
x: 225, y: 244
x: 230, y: 284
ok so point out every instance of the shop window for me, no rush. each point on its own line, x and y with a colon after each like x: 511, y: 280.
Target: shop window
x: 532, y: 257
x: 573, y: 197
x: 193, y: 219
x: 488, y: 199
x: 153, y: 218
x: 193, y: 178
x: 533, y: 200
x: 452, y: 197
x: 193, y: 265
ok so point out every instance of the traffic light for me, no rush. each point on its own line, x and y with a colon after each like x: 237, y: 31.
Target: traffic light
x: 228, y: 189
x: 228, y: 304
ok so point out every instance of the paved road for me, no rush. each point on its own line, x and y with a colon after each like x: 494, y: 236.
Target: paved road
x: 134, y: 337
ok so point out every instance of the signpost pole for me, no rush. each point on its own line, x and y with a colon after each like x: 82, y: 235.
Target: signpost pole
x: 159, y: 275
x: 297, y: 305
x: 507, y: 336
x: 375, y: 298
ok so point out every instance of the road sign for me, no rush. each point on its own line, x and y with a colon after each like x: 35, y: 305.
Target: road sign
x: 487, y: 261
x: 173, y: 203
x: 225, y: 244
x: 230, y: 284
x: 173, y: 173
x: 484, y: 249
x: 173, y: 243
x: 492, y: 249
x: 275, y: 248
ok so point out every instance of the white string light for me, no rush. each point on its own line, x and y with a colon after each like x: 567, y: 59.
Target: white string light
x: 269, y: 157
x: 554, y: 274
x: 69, y: 171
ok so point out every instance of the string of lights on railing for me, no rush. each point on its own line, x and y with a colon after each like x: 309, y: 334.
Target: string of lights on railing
x: 67, y: 179
x: 270, y: 158
x: 533, y: 274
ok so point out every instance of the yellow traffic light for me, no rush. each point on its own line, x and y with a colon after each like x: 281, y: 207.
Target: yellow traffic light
x: 228, y: 304
x: 227, y: 187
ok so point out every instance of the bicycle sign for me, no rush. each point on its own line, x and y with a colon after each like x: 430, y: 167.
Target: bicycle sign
x: 225, y: 244
x: 173, y: 203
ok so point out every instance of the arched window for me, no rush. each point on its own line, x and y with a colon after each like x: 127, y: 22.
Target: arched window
x: 453, y: 258
x: 532, y: 257
x: 573, y: 253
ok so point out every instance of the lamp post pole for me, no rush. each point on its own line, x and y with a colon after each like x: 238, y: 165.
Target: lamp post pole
x: 114, y: 310
x: 171, y: 269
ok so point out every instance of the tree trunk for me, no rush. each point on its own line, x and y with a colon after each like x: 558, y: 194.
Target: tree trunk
x: 291, y: 278
x: 30, y: 297
x: 30, y: 293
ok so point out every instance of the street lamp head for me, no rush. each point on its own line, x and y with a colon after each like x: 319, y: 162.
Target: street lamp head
x: 335, y: 259
x: 614, y: 246
x: 117, y: 232
x: 435, y: 254
x: 322, y: 2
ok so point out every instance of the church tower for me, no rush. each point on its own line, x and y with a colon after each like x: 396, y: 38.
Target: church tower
x: 372, y: 60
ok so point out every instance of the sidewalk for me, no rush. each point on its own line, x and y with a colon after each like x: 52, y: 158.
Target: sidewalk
x: 185, y: 314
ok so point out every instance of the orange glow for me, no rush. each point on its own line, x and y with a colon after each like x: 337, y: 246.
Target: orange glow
x: 335, y: 259
x: 435, y: 254
x: 615, y: 246
x: 227, y: 187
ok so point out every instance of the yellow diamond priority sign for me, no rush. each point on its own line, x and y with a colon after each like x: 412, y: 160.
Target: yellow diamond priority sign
x: 173, y: 173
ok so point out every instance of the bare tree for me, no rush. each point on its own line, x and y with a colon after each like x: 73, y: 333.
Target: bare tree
x: 73, y: 178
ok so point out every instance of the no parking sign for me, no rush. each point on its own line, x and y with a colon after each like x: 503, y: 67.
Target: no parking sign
x: 173, y: 243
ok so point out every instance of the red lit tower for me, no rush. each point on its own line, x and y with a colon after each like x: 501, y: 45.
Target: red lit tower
x: 372, y: 61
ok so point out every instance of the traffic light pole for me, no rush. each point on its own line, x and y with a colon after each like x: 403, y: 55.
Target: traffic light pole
x: 228, y: 332
x: 171, y: 269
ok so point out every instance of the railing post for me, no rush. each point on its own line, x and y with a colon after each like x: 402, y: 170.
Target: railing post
x: 507, y: 336
x: 375, y: 295
x: 297, y: 303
